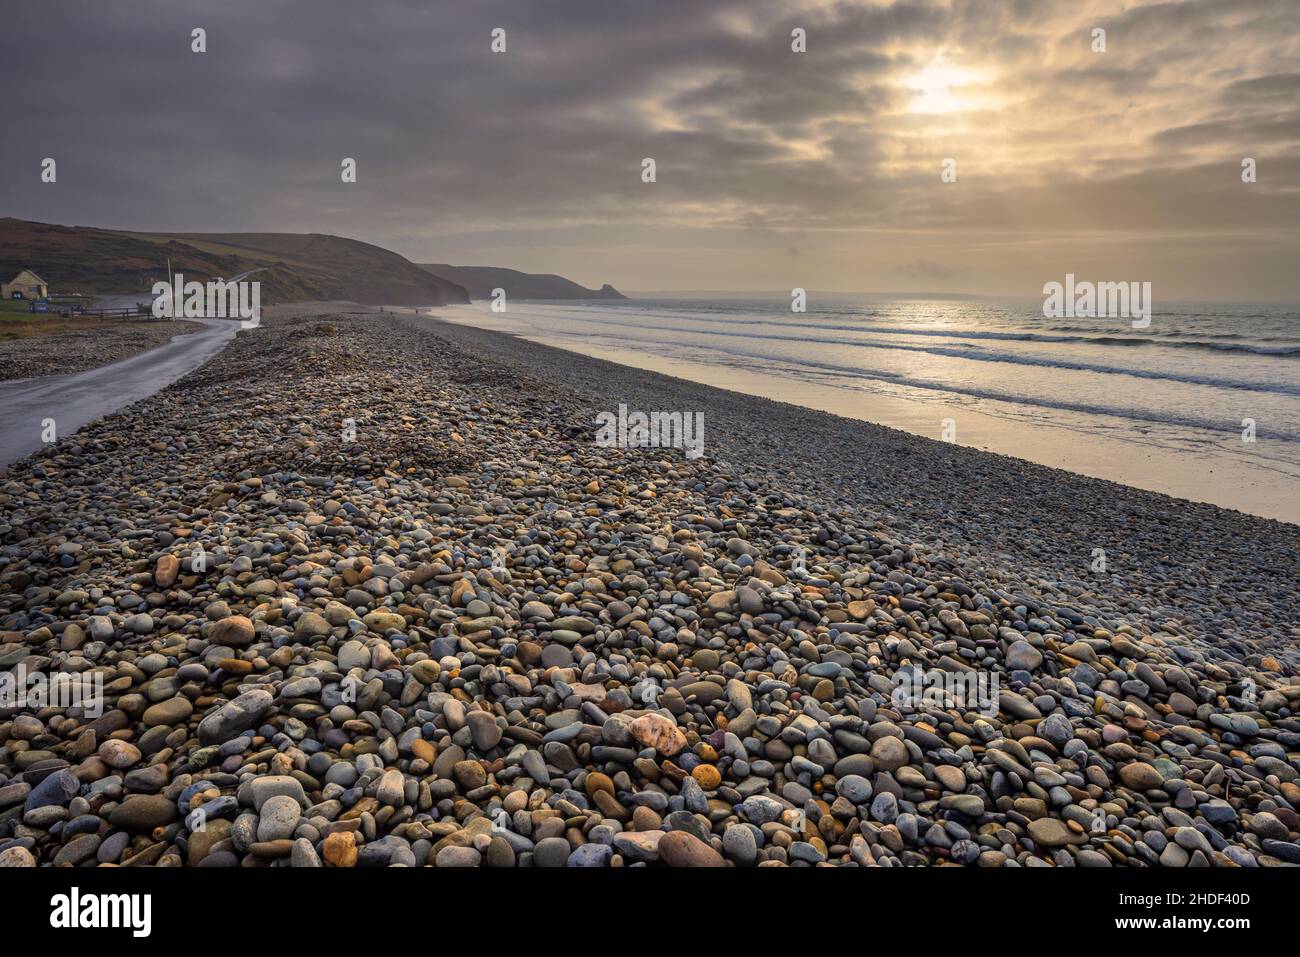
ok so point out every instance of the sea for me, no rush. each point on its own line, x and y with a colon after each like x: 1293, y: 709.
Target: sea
x: 1203, y: 403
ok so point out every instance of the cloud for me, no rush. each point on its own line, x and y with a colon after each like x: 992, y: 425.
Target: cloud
x: 749, y: 137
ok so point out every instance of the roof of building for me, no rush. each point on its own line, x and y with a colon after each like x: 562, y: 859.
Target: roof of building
x: 31, y: 278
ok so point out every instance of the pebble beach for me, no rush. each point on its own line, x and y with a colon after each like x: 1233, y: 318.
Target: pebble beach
x: 364, y: 591
x: 77, y: 350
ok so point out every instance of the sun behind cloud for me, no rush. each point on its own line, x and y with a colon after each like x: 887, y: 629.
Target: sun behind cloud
x: 941, y: 87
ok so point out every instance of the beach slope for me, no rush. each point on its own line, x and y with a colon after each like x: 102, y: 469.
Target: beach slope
x: 365, y: 590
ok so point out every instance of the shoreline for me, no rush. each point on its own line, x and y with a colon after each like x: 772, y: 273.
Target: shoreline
x: 363, y: 590
x: 1024, y: 496
x: 1117, y: 450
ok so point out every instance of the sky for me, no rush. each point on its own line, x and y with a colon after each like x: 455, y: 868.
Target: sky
x: 774, y: 169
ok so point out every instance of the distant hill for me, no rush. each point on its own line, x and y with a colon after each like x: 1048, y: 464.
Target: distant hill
x: 481, y: 280
x: 298, y: 266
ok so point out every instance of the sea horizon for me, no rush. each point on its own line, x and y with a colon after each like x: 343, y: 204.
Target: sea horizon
x: 782, y: 294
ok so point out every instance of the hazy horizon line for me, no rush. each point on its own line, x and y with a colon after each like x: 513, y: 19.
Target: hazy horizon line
x: 898, y: 294
x: 654, y: 293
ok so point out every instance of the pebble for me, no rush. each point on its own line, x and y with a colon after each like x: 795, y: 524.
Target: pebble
x: 235, y: 631
x: 166, y: 713
x: 681, y: 849
x: 235, y: 717
x: 855, y: 788
x: 1051, y: 832
x: 143, y: 812
x: 740, y: 845
x: 551, y: 852
x: 590, y: 855
x: 458, y: 857
x: 17, y: 856
x: 1140, y: 777
x: 516, y: 647
x: 889, y: 753
x: 484, y: 729
x: 279, y: 817
x: 1022, y: 656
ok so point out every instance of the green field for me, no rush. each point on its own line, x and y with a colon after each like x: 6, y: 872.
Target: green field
x: 14, y: 308
x: 10, y: 308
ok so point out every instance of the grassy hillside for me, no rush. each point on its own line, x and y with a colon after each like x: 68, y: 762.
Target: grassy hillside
x: 481, y: 280
x: 81, y: 259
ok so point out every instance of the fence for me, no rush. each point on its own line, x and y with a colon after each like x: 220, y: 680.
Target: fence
x: 139, y: 312
x: 69, y: 310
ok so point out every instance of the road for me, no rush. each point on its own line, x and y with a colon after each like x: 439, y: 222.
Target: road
x: 74, y: 400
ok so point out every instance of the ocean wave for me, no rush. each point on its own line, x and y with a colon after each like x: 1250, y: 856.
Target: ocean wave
x: 971, y: 354
x: 821, y: 371
x: 1175, y: 339
x: 1215, y: 344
